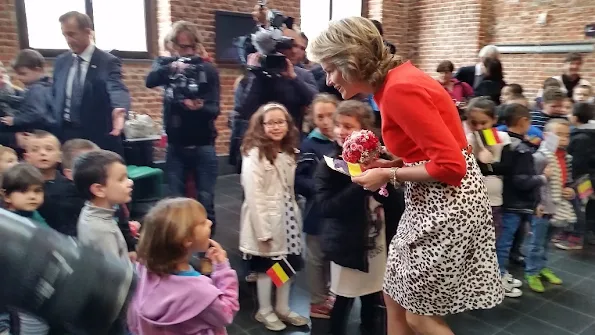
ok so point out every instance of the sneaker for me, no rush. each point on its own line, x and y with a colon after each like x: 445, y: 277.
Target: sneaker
x: 535, y: 283
x: 252, y: 277
x: 270, y: 321
x: 509, y: 291
x: 559, y: 237
x: 320, y: 311
x: 513, y: 282
x: 550, y: 277
x: 572, y: 243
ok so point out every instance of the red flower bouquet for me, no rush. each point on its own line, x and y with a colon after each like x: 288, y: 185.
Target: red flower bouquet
x: 363, y: 147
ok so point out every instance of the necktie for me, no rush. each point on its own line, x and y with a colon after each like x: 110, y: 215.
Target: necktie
x: 76, y: 96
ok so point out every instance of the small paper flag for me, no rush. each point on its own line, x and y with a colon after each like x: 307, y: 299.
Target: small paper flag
x: 490, y: 137
x: 584, y: 188
x: 281, y: 272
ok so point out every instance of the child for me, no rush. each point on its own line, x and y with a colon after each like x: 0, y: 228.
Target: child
x: 357, y: 226
x: 22, y: 194
x: 582, y: 93
x: 553, y: 99
x: 35, y: 111
x: 481, y: 116
x: 567, y: 107
x: 101, y: 177
x: 172, y: 297
x: 44, y: 152
x: 8, y: 158
x: 582, y: 150
x: 520, y: 185
x: 318, y: 143
x: 511, y: 91
x: 555, y: 208
x: 270, y: 219
x: 547, y: 84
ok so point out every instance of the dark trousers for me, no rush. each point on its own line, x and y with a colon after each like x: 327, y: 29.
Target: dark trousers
x: 200, y: 160
x: 372, y: 315
x: 69, y: 131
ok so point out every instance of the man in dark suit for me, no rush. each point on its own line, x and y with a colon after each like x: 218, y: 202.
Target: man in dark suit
x: 90, y: 99
x: 473, y: 74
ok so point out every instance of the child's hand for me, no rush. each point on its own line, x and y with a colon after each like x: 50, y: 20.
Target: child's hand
x: 216, y: 253
x: 485, y: 156
x: 547, y: 172
x: 539, y: 211
x: 568, y: 193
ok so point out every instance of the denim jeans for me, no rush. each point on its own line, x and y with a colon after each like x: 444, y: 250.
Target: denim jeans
x: 538, y: 246
x: 510, y: 224
x: 202, y: 161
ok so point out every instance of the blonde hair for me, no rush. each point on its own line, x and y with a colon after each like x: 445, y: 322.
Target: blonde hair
x: 165, y: 229
x: 185, y: 26
x: 355, y: 47
x: 325, y: 98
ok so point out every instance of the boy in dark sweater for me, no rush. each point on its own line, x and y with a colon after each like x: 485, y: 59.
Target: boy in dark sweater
x: 318, y: 143
x: 35, y: 111
x: 521, y: 185
x: 553, y: 100
x: 582, y: 149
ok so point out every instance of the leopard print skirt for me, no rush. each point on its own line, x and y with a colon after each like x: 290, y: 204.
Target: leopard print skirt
x: 443, y: 258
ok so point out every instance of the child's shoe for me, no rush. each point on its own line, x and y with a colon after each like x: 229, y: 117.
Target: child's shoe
x: 509, y: 290
x: 270, y: 321
x: 571, y: 243
x: 535, y: 283
x: 550, y: 277
x: 293, y: 319
x: 559, y: 237
x: 320, y: 311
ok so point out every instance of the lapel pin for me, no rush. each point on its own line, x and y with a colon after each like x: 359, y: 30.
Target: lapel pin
x: 94, y: 66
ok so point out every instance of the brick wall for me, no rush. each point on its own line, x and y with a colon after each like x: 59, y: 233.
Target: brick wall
x: 457, y: 29
x: 150, y: 101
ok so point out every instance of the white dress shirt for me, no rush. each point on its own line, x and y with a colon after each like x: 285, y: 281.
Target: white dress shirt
x: 86, y: 59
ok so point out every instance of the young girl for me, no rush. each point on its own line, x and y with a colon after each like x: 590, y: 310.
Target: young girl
x: 318, y: 143
x: 480, y: 116
x: 172, y: 297
x: 356, y: 229
x: 270, y: 229
x: 22, y: 194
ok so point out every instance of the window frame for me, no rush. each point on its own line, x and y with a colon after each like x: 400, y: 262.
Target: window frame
x: 150, y: 27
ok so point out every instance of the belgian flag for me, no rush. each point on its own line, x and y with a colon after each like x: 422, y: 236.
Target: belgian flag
x: 489, y: 137
x: 281, y: 272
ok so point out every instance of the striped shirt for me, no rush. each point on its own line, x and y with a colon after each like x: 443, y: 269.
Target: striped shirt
x: 539, y: 119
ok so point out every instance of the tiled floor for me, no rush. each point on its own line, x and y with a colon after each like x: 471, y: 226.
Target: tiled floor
x: 565, y: 310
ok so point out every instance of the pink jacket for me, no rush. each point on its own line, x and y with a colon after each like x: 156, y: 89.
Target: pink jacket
x: 180, y: 305
x: 461, y: 91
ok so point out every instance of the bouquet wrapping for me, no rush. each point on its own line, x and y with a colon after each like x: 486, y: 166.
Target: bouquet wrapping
x: 363, y: 147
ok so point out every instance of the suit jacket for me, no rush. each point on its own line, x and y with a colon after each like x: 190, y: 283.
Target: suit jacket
x: 103, y: 90
x: 466, y: 74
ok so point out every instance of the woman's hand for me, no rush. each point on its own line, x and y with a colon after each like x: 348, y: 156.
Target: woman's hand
x: 373, y: 179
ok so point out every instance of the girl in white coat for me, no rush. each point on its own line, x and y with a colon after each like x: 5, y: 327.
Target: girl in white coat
x: 270, y: 219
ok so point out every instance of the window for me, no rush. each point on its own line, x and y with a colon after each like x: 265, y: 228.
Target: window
x: 316, y: 14
x: 126, y: 29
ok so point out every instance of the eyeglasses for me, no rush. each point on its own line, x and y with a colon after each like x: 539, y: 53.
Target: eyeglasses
x: 277, y: 123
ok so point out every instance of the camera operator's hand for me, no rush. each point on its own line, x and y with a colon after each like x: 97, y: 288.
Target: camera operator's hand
x: 194, y: 105
x: 253, y: 59
x: 8, y: 120
x: 289, y: 71
x: 179, y: 66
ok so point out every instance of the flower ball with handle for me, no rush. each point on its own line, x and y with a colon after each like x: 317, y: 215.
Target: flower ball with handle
x: 363, y: 147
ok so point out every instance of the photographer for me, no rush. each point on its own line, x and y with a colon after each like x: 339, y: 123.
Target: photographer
x: 191, y: 105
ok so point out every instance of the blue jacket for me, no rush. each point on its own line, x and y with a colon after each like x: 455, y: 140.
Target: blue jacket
x: 36, y: 110
x: 313, y: 148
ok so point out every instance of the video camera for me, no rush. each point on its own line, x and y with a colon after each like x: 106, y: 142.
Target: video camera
x: 187, y: 84
x: 53, y: 277
x: 268, y: 40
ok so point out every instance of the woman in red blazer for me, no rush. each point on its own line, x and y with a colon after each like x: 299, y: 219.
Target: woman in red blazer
x: 442, y: 260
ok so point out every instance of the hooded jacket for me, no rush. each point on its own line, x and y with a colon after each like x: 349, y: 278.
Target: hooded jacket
x: 184, y: 304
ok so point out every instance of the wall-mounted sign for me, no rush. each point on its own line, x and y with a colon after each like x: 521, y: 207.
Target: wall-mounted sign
x: 590, y: 30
